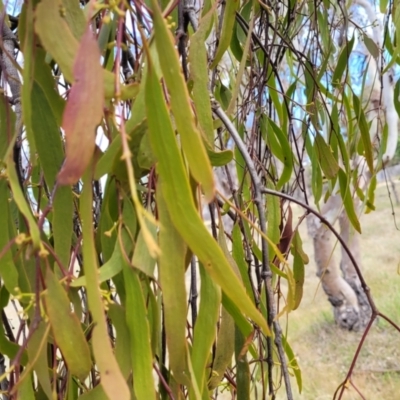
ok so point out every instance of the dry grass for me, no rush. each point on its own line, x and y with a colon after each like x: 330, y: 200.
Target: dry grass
x: 324, y: 351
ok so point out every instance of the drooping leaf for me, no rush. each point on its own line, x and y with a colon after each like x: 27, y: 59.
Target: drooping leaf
x: 180, y: 204
x: 227, y: 30
x: 243, y: 368
x: 199, y: 76
x: 141, y: 258
x: 293, y: 363
x: 112, y: 380
x: 348, y: 200
x: 172, y: 280
x: 225, y: 346
x: 8, y: 272
x: 342, y: 63
x: 123, y: 342
x: 364, y: 131
x: 112, y: 266
x: 205, y: 328
x: 329, y: 165
x: 23, y: 206
x: 66, y: 328
x: 47, y: 137
x: 83, y: 111
x: 192, y: 143
x: 299, y: 259
x: 138, y: 325
x: 58, y: 39
x: 371, y: 46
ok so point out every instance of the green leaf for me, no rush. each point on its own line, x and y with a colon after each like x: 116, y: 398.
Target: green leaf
x: 112, y: 266
x: 286, y: 153
x: 37, y: 353
x: 299, y: 259
x: 190, y: 136
x: 57, y: 38
x: 371, y: 46
x: 396, y: 97
x: 66, y: 328
x: 141, y: 259
x: 95, y: 394
x: 226, y: 31
x: 47, y: 136
x: 199, y: 76
x: 205, y: 328
x: 10, y: 349
x: 240, y: 258
x: 348, y: 200
x: 242, y: 367
x: 365, y: 134
x: 7, y: 123
x: 225, y: 347
x: 138, y: 325
x: 172, y: 280
x: 273, y: 219
x: 23, y: 206
x: 112, y: 379
x: 123, y: 342
x: 293, y: 363
x: 180, y: 204
x: 220, y: 158
x: 74, y: 17
x: 8, y: 272
x: 342, y: 63
x: 327, y: 161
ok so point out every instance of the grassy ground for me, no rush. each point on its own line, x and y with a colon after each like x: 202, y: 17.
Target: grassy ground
x: 325, y: 352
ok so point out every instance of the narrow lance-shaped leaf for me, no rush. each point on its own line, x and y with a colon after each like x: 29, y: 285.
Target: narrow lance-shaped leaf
x: 83, y: 111
x: 138, y: 325
x: 329, y: 165
x: 180, y: 203
x: 342, y: 63
x: 23, y: 206
x: 299, y: 259
x: 172, y: 280
x: 58, y: 39
x: 66, y: 328
x: 47, y: 137
x: 364, y: 131
x: 227, y: 30
x: 242, y: 67
x: 205, y: 328
x: 348, y: 200
x: 112, y: 379
x: 199, y: 75
x: 8, y: 272
x: 191, y: 139
x: 242, y: 366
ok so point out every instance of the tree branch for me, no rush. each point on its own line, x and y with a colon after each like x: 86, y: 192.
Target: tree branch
x: 266, y: 273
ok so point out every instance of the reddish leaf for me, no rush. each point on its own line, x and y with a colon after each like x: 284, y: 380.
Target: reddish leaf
x: 83, y: 111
